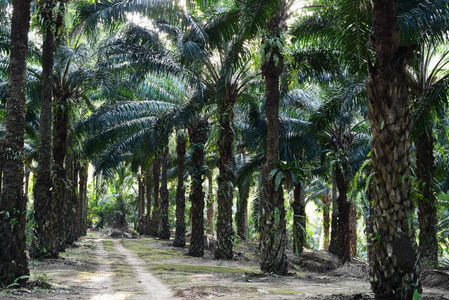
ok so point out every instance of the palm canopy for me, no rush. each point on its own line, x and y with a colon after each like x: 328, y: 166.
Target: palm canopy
x: 112, y: 13
x: 296, y: 138
x: 340, y: 121
x: 124, y: 129
x: 340, y: 29
x: 429, y: 83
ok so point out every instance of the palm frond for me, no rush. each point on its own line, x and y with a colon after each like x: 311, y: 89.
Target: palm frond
x: 248, y: 167
x: 112, y: 12
x: 255, y: 14
x: 428, y: 18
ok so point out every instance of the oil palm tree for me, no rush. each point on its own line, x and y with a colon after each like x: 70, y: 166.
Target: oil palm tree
x: 297, y: 150
x: 156, y: 119
x: 428, y: 87
x: 394, y: 268
x: 273, y: 233
x: 338, y: 121
x: 164, y: 228
x: 48, y: 240
x: 226, y: 82
x: 391, y: 146
x: 319, y: 191
x: 180, y: 239
x: 198, y: 135
x: 196, y: 41
x: 14, y: 264
x: 430, y: 20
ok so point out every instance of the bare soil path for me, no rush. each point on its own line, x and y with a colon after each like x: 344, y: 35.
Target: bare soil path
x: 152, y: 287
x: 99, y: 267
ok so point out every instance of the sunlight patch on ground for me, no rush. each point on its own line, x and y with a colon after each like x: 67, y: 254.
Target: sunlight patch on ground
x: 115, y: 296
x: 92, y: 277
x: 96, y: 278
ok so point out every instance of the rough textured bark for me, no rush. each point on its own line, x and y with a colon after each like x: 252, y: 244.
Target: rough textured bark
x: 299, y: 219
x: 75, y: 195
x: 198, y: 139
x: 353, y: 229
x: 242, y: 213
x: 180, y: 233
x: 86, y: 200
x: 164, y: 230
x: 394, y: 267
x: 82, y: 196
x: 72, y: 219
x: 145, y: 220
x: 210, y: 206
x: 368, y: 224
x: 143, y: 227
x: 148, y: 185
x: 60, y: 134
x: 155, y: 220
x: 225, y: 194
x: 341, y: 144
x: 45, y: 242
x: 427, y: 212
x: 273, y: 231
x: 333, y: 246
x: 326, y: 200
x: 13, y: 259
x: 140, y: 196
x: 1, y: 166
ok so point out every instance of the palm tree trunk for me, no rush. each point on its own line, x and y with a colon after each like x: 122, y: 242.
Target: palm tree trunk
x: 82, y: 196
x: 273, y: 231
x: 343, y: 231
x: 225, y: 195
x: 427, y: 212
x: 242, y: 213
x: 394, y: 268
x: 45, y: 242
x: 333, y: 246
x: 60, y: 143
x: 145, y: 220
x: 180, y: 234
x: 299, y: 219
x: 353, y: 228
x: 72, y: 228
x: 140, y: 205
x: 154, y: 226
x: 60, y: 130
x: 164, y: 230
x: 148, y: 185
x: 326, y: 200
x: 198, y: 139
x: 75, y: 192
x: 27, y: 184
x: 210, y: 205
x: 13, y: 259
x: 1, y: 166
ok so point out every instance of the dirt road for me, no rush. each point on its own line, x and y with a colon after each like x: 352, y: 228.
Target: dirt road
x: 100, y: 267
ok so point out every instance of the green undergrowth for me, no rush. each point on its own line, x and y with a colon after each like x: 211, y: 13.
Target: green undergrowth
x: 190, y: 268
x: 164, y: 260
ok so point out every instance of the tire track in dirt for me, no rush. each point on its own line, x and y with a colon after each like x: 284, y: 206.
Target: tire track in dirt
x: 146, y: 282
x: 102, y: 278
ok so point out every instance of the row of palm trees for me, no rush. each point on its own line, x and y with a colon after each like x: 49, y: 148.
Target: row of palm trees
x: 205, y: 63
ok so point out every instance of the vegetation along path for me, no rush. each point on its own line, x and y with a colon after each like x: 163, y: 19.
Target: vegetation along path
x: 100, y: 267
